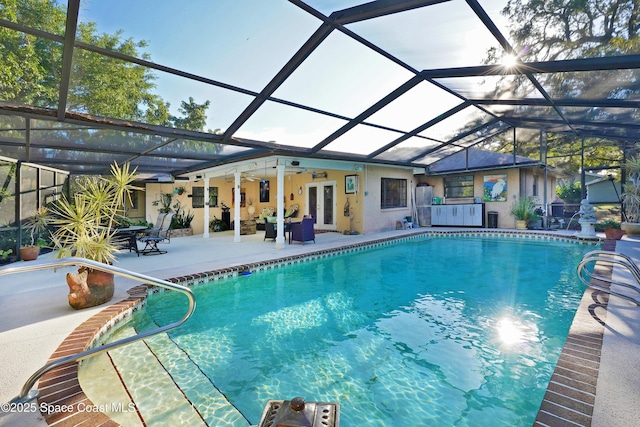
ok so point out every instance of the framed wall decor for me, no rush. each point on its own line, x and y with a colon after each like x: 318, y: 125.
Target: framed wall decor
x: 264, y: 191
x: 351, y: 184
x: 495, y: 188
x: 243, y: 198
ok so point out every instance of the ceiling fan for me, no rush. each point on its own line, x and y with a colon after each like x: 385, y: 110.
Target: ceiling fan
x: 243, y: 177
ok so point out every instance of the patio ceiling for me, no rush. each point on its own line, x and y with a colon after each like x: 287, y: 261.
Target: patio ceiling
x: 388, y: 82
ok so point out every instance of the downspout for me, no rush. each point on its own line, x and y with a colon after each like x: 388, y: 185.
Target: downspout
x: 207, y: 207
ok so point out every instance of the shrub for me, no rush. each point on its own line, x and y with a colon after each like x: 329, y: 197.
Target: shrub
x: 570, y: 193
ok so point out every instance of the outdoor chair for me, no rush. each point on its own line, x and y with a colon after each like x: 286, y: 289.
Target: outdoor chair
x: 269, y: 230
x: 157, y: 235
x: 303, y: 231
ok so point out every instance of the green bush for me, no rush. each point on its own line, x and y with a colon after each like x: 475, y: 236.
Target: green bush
x: 607, y: 223
x: 570, y: 193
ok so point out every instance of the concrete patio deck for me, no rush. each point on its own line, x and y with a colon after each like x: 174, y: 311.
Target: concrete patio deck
x: 35, y: 316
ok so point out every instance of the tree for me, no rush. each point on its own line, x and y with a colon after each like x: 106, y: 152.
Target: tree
x: 195, y: 117
x: 566, y: 29
x: 30, y: 70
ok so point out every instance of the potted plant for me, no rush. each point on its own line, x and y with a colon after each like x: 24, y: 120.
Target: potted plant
x: 217, y: 224
x: 182, y: 222
x: 36, y: 224
x: 165, y: 201
x: 86, y: 227
x: 179, y: 190
x: 611, y: 229
x: 631, y: 198
x: 523, y: 211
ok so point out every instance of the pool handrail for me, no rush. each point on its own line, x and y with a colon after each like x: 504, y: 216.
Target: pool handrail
x: 614, y: 258
x: 26, y: 394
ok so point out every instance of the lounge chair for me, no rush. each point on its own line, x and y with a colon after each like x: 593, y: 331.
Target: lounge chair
x: 158, y: 234
x: 303, y: 231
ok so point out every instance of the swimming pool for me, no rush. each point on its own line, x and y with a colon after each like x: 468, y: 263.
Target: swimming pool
x: 442, y: 331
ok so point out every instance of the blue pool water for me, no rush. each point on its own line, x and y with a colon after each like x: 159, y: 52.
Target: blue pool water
x: 460, y: 331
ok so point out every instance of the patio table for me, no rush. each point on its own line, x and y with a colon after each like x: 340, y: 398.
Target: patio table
x: 128, y: 237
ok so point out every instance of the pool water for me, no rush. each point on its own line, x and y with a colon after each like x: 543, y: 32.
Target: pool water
x: 462, y: 331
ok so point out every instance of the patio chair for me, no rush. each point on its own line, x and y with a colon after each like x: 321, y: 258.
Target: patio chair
x: 157, y: 235
x: 157, y: 226
x: 269, y: 230
x: 303, y: 231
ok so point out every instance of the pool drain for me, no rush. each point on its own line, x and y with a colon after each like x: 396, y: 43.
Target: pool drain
x: 298, y: 413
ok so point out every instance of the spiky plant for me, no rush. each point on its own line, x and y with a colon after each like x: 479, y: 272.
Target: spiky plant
x: 524, y: 209
x: 631, y: 194
x: 87, y: 224
x: 37, y: 224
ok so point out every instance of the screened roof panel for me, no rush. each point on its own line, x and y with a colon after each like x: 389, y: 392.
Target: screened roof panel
x: 440, y: 154
x: 492, y: 87
x: 65, y: 136
x: 417, y: 106
x: 342, y: 76
x: 53, y: 157
x: 456, y: 124
x: 609, y: 84
x: 524, y: 111
x: 442, y: 35
x: 286, y: 125
x: 242, y: 49
x: 408, y: 150
x: 362, y: 140
x: 150, y: 163
x: 618, y: 116
x: 199, y: 149
x: 481, y: 133
x: 225, y: 104
x: 23, y: 81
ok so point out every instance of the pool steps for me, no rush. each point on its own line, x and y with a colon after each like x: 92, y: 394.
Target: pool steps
x: 188, y: 396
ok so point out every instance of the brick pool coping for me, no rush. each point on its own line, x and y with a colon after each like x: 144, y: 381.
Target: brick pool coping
x: 570, y: 394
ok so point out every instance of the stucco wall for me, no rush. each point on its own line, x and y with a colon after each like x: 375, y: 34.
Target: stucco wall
x: 292, y: 183
x: 377, y: 219
x: 519, y: 181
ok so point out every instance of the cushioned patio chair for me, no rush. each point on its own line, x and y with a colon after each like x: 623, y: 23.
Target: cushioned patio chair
x: 269, y: 230
x: 303, y: 231
x: 158, y: 234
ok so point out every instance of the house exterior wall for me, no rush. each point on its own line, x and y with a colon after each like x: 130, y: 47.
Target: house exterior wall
x: 528, y: 182
x: 292, y: 183
x: 365, y: 205
x: 604, y: 192
x: 375, y: 218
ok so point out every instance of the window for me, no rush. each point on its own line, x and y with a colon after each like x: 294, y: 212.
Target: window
x: 458, y: 186
x: 393, y: 193
x: 535, y: 185
x: 197, y: 197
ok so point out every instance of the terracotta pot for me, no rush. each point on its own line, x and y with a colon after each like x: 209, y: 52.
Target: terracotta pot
x: 29, y: 253
x: 632, y: 228
x: 89, y: 288
x: 614, y: 233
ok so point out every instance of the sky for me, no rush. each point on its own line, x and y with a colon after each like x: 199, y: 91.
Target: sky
x: 246, y: 42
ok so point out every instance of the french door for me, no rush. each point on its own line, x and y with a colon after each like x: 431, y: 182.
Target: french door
x: 321, y: 200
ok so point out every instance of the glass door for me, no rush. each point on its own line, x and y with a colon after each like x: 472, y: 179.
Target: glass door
x: 321, y: 200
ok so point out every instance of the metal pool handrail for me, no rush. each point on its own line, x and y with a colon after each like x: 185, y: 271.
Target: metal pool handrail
x: 26, y: 394
x: 587, y: 277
